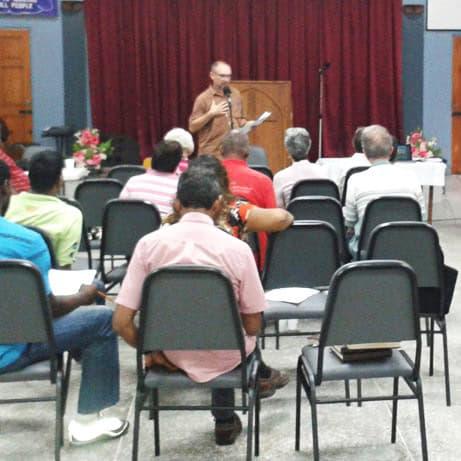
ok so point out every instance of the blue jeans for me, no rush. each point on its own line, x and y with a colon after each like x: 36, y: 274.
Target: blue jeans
x: 86, y: 333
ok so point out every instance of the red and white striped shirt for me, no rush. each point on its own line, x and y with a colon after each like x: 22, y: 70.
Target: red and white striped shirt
x: 19, y: 180
x: 155, y: 187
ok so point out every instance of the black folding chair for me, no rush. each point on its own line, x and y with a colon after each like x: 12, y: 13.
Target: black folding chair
x: 418, y: 245
x: 352, y: 171
x: 368, y: 302
x: 304, y: 255
x: 325, y: 187
x: 124, y: 172
x: 262, y: 169
x: 26, y: 318
x: 170, y: 295
x: 124, y: 223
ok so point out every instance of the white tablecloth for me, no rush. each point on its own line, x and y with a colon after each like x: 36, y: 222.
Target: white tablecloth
x: 429, y: 173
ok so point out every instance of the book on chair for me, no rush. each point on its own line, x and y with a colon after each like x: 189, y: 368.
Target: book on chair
x: 363, y: 352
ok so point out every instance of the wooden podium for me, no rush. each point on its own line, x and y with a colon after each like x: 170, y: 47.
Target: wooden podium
x: 275, y: 97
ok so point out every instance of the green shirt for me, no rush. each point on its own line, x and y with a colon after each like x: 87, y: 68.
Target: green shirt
x: 61, y: 222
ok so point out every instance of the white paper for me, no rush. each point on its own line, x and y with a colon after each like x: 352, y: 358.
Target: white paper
x: 64, y: 282
x: 293, y: 295
x: 250, y: 125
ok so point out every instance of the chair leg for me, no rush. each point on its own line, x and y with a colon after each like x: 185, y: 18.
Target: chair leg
x: 431, y: 350
x: 156, y: 422
x: 422, y: 422
x: 137, y: 413
x: 315, y: 432
x: 347, y: 391
x: 443, y: 329
x: 298, y: 407
x: 257, y: 413
x: 359, y: 392
x: 428, y: 336
x: 263, y: 335
x: 65, y: 386
x: 251, y: 403
x: 59, y: 433
x: 277, y: 335
x: 395, y: 394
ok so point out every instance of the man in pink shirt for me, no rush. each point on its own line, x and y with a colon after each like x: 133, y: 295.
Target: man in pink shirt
x: 195, y: 240
x: 158, y: 184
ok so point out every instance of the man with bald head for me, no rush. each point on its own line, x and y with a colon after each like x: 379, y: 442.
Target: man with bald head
x: 211, y: 114
x: 381, y: 179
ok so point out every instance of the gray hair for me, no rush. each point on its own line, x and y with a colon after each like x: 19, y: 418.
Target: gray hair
x: 237, y: 143
x: 298, y: 143
x: 376, y: 142
x: 197, y: 188
x: 181, y: 136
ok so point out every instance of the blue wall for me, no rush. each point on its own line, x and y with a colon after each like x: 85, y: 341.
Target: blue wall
x: 47, y: 70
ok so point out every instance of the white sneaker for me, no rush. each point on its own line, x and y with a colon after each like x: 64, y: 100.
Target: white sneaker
x: 100, y: 429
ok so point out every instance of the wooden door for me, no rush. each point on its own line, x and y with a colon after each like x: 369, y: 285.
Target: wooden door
x: 456, y: 108
x: 275, y: 97
x: 15, y: 92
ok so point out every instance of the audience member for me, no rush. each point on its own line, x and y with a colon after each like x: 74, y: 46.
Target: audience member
x: 246, y: 183
x: 86, y: 333
x: 187, y: 143
x: 358, y: 158
x: 381, y: 179
x: 19, y: 179
x: 43, y: 209
x: 298, y: 144
x: 158, y: 184
x: 210, y: 118
x: 195, y: 240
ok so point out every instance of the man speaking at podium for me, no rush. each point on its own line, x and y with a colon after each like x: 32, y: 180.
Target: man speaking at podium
x: 216, y: 111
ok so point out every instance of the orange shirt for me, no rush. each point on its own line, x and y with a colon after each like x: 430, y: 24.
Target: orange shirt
x: 211, y: 135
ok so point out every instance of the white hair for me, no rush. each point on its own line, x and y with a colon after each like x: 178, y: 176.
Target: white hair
x: 181, y: 136
x: 297, y: 142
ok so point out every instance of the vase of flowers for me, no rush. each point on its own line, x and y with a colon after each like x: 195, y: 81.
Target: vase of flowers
x: 89, y: 151
x: 421, y: 148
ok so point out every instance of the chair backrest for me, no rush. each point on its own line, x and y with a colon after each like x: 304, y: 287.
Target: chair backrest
x: 124, y: 223
x: 93, y: 194
x: 124, y: 172
x: 320, y: 208
x: 349, y: 173
x: 386, y: 209
x: 257, y: 156
x: 304, y: 255
x: 24, y: 309
x: 262, y: 169
x: 84, y: 241
x: 369, y: 302
x: 47, y: 240
x: 325, y: 187
x: 417, y: 244
x: 189, y: 308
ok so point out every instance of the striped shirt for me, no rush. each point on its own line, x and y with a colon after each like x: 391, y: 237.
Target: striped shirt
x: 155, y: 187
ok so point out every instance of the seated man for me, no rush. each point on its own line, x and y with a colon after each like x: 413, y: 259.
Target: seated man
x: 195, y: 240
x: 381, y: 179
x: 85, y: 332
x: 298, y: 144
x: 158, y: 184
x: 43, y: 209
x: 19, y: 179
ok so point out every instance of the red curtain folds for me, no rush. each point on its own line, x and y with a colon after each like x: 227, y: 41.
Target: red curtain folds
x: 148, y: 59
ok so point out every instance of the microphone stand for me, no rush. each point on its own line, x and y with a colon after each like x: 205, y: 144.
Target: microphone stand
x: 322, y: 71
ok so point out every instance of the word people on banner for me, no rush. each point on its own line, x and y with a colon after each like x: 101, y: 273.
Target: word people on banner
x: 29, y: 7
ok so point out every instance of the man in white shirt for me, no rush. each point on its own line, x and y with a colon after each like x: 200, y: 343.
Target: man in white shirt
x: 298, y: 144
x: 381, y: 179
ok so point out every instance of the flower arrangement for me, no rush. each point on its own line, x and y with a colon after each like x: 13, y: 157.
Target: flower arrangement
x: 88, y: 149
x: 422, y: 148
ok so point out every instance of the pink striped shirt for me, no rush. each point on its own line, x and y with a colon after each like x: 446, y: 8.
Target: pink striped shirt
x: 155, y: 187
x: 183, y: 165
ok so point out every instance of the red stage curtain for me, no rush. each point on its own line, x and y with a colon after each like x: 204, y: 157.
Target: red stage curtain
x: 148, y: 59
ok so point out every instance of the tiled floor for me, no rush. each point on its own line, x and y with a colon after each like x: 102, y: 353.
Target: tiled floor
x: 26, y: 431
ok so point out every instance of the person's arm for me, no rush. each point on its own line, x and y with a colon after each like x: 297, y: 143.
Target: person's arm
x: 251, y: 323
x: 200, y: 118
x: 62, y: 305
x: 123, y: 324
x: 268, y: 220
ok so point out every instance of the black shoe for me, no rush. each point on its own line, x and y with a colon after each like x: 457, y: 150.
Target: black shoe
x: 227, y: 433
x: 268, y: 386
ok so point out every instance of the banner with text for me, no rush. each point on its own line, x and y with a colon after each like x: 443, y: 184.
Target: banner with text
x: 29, y: 7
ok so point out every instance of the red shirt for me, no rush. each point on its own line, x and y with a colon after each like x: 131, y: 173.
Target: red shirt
x: 19, y: 180
x: 253, y: 186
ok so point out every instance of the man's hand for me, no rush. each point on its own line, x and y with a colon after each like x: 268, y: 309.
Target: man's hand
x: 219, y: 109
x: 88, y: 294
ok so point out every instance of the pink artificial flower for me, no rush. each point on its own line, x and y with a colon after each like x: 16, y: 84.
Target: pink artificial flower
x: 79, y: 157
x: 423, y: 154
x: 87, y: 138
x: 415, y: 137
x: 422, y: 146
x: 95, y: 160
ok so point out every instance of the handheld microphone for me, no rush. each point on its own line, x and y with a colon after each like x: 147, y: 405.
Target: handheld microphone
x: 227, y: 93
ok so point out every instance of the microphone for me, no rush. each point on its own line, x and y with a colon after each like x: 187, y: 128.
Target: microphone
x: 227, y: 93
x: 324, y: 68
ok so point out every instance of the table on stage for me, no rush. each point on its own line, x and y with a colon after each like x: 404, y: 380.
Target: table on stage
x: 430, y: 173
